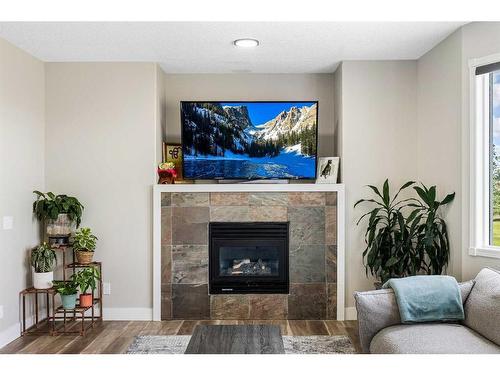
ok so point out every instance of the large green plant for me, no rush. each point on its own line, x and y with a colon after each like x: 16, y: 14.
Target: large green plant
x: 84, y: 240
x: 405, y: 237
x: 43, y: 258
x: 86, y: 279
x: 387, y: 238
x: 49, y: 206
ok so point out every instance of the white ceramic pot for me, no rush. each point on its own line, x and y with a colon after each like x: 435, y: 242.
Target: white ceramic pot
x: 43, y: 280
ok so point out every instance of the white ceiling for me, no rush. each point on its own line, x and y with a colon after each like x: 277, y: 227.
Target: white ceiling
x: 206, y: 47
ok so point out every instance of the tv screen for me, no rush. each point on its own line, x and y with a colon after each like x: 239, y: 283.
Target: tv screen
x: 249, y: 140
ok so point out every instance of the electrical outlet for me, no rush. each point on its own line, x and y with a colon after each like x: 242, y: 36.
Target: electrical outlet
x: 1, y: 312
x: 106, y: 288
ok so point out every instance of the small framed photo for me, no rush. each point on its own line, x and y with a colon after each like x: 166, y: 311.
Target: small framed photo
x: 328, y: 170
x: 173, y: 153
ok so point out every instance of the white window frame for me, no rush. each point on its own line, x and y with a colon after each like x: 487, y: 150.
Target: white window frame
x: 479, y: 158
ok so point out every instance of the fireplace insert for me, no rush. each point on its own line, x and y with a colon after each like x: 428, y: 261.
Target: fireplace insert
x: 248, y: 258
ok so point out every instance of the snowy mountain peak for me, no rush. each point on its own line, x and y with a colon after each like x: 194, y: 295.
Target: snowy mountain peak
x: 239, y: 114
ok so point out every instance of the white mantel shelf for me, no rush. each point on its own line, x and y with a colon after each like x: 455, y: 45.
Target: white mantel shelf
x: 248, y: 187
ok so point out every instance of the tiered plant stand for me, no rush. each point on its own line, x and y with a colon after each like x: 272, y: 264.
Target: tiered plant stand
x: 59, y: 320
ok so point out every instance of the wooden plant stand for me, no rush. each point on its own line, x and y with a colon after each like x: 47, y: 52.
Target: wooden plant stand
x: 59, y: 320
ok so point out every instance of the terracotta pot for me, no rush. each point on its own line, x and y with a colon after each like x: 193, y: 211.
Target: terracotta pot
x: 85, y: 300
x: 84, y: 257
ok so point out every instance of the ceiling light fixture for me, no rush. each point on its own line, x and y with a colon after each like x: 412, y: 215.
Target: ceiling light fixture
x: 246, y: 42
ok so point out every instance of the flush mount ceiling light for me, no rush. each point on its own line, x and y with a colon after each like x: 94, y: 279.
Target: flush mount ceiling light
x: 246, y: 42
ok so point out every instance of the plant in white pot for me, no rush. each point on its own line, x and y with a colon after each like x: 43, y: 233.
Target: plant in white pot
x: 43, y: 260
x: 60, y: 213
x: 84, y: 243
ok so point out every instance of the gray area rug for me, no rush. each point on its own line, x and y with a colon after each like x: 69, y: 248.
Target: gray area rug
x: 293, y: 345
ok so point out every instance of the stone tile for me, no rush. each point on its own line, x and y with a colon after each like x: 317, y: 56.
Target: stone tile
x: 307, y: 225
x: 306, y: 199
x: 331, y: 198
x: 190, y: 301
x: 331, y: 225
x: 166, y: 302
x: 190, y: 264
x: 190, y: 199
x: 268, y: 199
x: 307, y: 301
x: 229, y: 306
x: 166, y: 265
x: 229, y: 213
x: 228, y: 199
x: 307, y: 263
x: 165, y: 199
x: 331, y: 263
x: 268, y: 306
x: 190, y: 225
x: 331, y: 305
x: 166, y: 226
x: 268, y: 213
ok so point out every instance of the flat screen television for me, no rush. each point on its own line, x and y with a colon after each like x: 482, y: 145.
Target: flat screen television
x: 249, y: 140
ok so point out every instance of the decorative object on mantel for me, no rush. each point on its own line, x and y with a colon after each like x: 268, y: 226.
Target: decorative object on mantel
x: 328, y: 169
x: 172, y: 153
x: 400, y: 244
x: 43, y: 260
x: 84, y: 243
x: 167, y: 173
x: 59, y: 213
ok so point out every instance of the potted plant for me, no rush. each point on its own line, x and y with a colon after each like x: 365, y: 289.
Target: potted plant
x: 43, y: 260
x: 67, y: 290
x: 84, y: 243
x: 86, y: 280
x: 58, y: 212
x: 407, y: 236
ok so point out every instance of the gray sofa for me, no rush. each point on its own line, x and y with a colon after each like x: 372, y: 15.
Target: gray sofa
x: 381, y: 330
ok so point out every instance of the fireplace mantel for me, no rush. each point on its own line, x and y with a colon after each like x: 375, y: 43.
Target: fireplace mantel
x: 248, y: 188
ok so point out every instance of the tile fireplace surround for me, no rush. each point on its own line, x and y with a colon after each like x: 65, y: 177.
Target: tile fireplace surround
x: 182, y: 214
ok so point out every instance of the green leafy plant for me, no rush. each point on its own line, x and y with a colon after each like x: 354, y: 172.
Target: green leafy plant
x: 407, y: 236
x: 66, y: 288
x: 432, y: 232
x: 86, y: 279
x: 43, y: 258
x: 84, y: 240
x: 387, y: 238
x: 49, y: 206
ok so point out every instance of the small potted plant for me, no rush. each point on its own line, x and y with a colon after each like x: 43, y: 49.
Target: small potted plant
x: 67, y: 290
x: 86, y: 280
x: 60, y: 213
x: 84, y: 243
x: 43, y: 260
x: 167, y: 173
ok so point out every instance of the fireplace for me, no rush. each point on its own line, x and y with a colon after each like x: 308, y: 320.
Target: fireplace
x: 248, y: 258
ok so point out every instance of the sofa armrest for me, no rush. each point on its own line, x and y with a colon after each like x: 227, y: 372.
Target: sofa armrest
x: 378, y: 309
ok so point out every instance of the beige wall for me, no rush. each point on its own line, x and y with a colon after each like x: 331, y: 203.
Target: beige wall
x: 378, y: 142
x: 100, y: 143
x: 439, y: 132
x: 479, y: 39
x: 252, y: 87
x: 337, y: 118
x: 161, y: 113
x: 22, y: 122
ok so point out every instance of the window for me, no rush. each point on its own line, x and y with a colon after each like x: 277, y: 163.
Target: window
x: 485, y: 158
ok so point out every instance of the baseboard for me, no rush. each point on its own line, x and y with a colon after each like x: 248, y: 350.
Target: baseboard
x: 351, y: 313
x: 10, y: 334
x: 128, y: 313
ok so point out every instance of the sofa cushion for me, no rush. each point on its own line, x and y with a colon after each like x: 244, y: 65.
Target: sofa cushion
x: 431, y: 338
x: 482, y: 308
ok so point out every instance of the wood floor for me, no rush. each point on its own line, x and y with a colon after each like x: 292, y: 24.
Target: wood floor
x: 113, y: 337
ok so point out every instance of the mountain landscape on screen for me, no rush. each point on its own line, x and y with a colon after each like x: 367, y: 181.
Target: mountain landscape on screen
x: 249, y: 140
